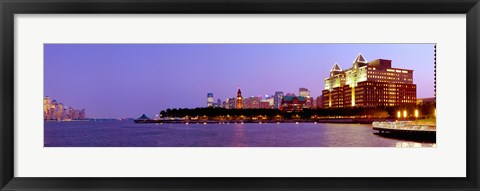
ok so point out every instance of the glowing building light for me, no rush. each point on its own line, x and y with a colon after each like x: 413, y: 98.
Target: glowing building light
x: 399, y: 115
x: 416, y: 113
x: 404, y: 113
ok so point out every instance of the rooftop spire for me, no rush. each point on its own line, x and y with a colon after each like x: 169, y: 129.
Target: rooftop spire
x: 360, y: 59
x: 336, y: 67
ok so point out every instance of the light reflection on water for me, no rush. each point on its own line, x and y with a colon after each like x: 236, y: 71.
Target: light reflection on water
x: 407, y: 144
x: 128, y: 134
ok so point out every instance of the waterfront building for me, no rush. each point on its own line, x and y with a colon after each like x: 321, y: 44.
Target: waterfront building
x: 219, y: 103
x: 47, y: 105
x: 319, y: 102
x: 252, y: 102
x: 209, y: 99
x: 292, y: 103
x: 304, y: 92
x: 369, y: 84
x: 230, y: 103
x: 309, y: 102
x: 277, y: 100
x: 271, y: 101
x: 426, y: 100
x: 239, y: 99
x: 52, y: 110
x: 265, y: 104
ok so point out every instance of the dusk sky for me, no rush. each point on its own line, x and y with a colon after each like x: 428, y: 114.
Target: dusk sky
x: 127, y: 80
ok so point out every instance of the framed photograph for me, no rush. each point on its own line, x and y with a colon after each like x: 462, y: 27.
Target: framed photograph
x: 239, y: 95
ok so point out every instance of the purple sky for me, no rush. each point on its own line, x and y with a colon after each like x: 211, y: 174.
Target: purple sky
x: 127, y: 80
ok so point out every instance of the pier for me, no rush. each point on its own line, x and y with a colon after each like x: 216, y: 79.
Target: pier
x: 406, y: 130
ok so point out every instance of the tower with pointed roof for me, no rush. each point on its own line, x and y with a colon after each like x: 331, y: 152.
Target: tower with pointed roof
x: 239, y: 99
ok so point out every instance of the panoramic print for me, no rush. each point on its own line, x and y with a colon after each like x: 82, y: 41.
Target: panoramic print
x: 239, y: 95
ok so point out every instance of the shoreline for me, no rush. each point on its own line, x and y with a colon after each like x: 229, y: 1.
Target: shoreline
x: 183, y: 121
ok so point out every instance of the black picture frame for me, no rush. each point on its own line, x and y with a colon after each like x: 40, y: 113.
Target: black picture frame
x: 11, y: 7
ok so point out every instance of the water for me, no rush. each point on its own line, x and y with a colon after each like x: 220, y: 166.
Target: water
x: 128, y: 134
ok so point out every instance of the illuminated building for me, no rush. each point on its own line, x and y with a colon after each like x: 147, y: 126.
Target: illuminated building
x: 209, y: 99
x: 47, y: 105
x: 292, y: 103
x: 52, y: 110
x: 239, y: 99
x: 252, y: 102
x: 309, y: 102
x: 277, y: 100
x: 230, y: 103
x: 304, y: 92
x: 271, y: 101
x: 319, y: 102
x: 265, y: 104
x: 369, y: 84
x: 426, y: 100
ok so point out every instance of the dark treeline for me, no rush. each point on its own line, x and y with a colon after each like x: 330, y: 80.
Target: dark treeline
x: 425, y: 111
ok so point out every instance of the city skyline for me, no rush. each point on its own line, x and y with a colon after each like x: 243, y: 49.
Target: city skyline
x: 127, y: 80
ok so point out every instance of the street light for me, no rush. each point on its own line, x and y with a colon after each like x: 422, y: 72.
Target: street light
x: 416, y: 113
x: 399, y: 115
x: 404, y: 113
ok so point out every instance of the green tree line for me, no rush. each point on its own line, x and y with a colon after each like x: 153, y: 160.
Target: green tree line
x: 426, y: 110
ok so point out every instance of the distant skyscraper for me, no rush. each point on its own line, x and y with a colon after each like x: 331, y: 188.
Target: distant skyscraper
x: 252, y: 102
x: 210, y: 100
x: 239, y: 99
x: 319, y: 102
x: 304, y: 92
x: 231, y: 103
x: 277, y: 100
x: 52, y: 110
x: 219, y: 103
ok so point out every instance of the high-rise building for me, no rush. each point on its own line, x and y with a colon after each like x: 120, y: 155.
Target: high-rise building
x: 265, y: 104
x: 369, y: 84
x: 252, y: 102
x: 277, y: 100
x: 319, y: 102
x: 52, y: 110
x: 304, y: 92
x: 270, y: 100
x: 219, y: 103
x: 231, y: 103
x: 239, y: 99
x: 209, y: 99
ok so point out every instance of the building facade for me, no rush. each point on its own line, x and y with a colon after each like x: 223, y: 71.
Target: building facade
x: 277, y: 100
x: 230, y: 103
x: 293, y: 103
x: 252, y: 102
x: 369, y: 84
x: 239, y: 99
x: 52, y: 110
x: 209, y: 99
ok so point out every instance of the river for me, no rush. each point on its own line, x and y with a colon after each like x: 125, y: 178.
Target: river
x: 127, y: 134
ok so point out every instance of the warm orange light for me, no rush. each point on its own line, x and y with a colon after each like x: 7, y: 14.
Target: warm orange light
x: 404, y: 113
x: 416, y: 113
x: 399, y: 115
